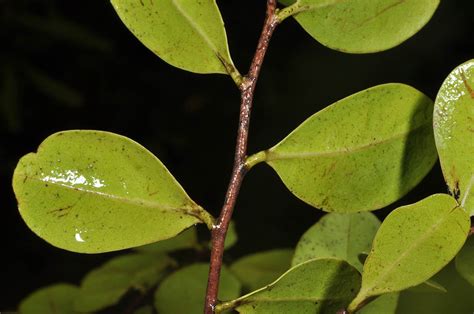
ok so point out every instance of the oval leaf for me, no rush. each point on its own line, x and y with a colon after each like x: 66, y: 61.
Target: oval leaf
x: 93, y: 191
x: 57, y: 298
x: 465, y: 261
x: 454, y: 133
x: 413, y: 243
x: 361, y: 153
x: 342, y: 236
x: 257, y: 270
x: 106, y: 285
x: 186, y: 34
x: 316, y: 286
x: 362, y: 26
x: 184, y: 291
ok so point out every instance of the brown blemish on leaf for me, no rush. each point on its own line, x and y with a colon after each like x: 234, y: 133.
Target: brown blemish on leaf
x: 466, y: 84
x: 63, y: 211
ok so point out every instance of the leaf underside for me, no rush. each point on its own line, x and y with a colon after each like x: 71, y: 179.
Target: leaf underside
x: 360, y: 153
x: 413, y: 243
x: 187, y: 34
x: 453, y: 122
x: 93, y: 191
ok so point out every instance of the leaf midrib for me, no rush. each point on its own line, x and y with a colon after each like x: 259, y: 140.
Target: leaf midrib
x: 415, y: 244
x: 293, y: 299
x: 273, y: 155
x: 197, y: 29
x: 133, y: 201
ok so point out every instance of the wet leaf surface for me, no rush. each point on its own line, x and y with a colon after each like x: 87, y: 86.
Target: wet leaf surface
x: 93, y: 191
x: 454, y: 133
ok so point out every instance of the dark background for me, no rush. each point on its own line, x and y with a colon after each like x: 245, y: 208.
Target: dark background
x: 74, y: 65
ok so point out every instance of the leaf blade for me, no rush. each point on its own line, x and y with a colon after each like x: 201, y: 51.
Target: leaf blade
x: 106, y: 285
x: 453, y: 122
x: 186, y: 34
x: 413, y: 243
x: 50, y: 299
x: 342, y: 236
x: 93, y: 191
x: 316, y: 286
x: 377, y: 143
x: 257, y: 270
x: 465, y: 260
x: 189, y: 284
x: 362, y: 26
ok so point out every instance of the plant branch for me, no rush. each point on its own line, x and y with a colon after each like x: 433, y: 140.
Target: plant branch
x: 247, y: 89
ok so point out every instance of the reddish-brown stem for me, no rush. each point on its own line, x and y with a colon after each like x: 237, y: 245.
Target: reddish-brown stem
x: 247, y: 89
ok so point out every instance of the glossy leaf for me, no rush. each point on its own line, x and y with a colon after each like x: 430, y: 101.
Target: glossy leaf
x: 93, y: 191
x: 384, y: 304
x: 361, y: 26
x: 454, y: 133
x: 361, y: 153
x: 316, y: 286
x: 185, y: 240
x: 106, y: 285
x: 465, y: 261
x: 342, y: 236
x: 257, y: 270
x: 413, y: 243
x: 184, y: 290
x: 187, y: 34
x: 57, y: 298
x: 457, y: 299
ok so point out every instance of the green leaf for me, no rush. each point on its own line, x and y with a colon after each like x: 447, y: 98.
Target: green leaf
x: 185, y: 240
x: 465, y: 261
x: 257, y: 270
x: 147, y: 309
x: 361, y: 153
x: 428, y: 286
x: 231, y: 237
x: 106, y: 285
x: 454, y: 133
x: 457, y: 299
x: 413, y: 243
x: 184, y: 290
x: 94, y: 191
x: 343, y: 236
x: 316, y: 286
x: 187, y: 34
x: 361, y: 26
x: 57, y: 298
x: 384, y: 304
